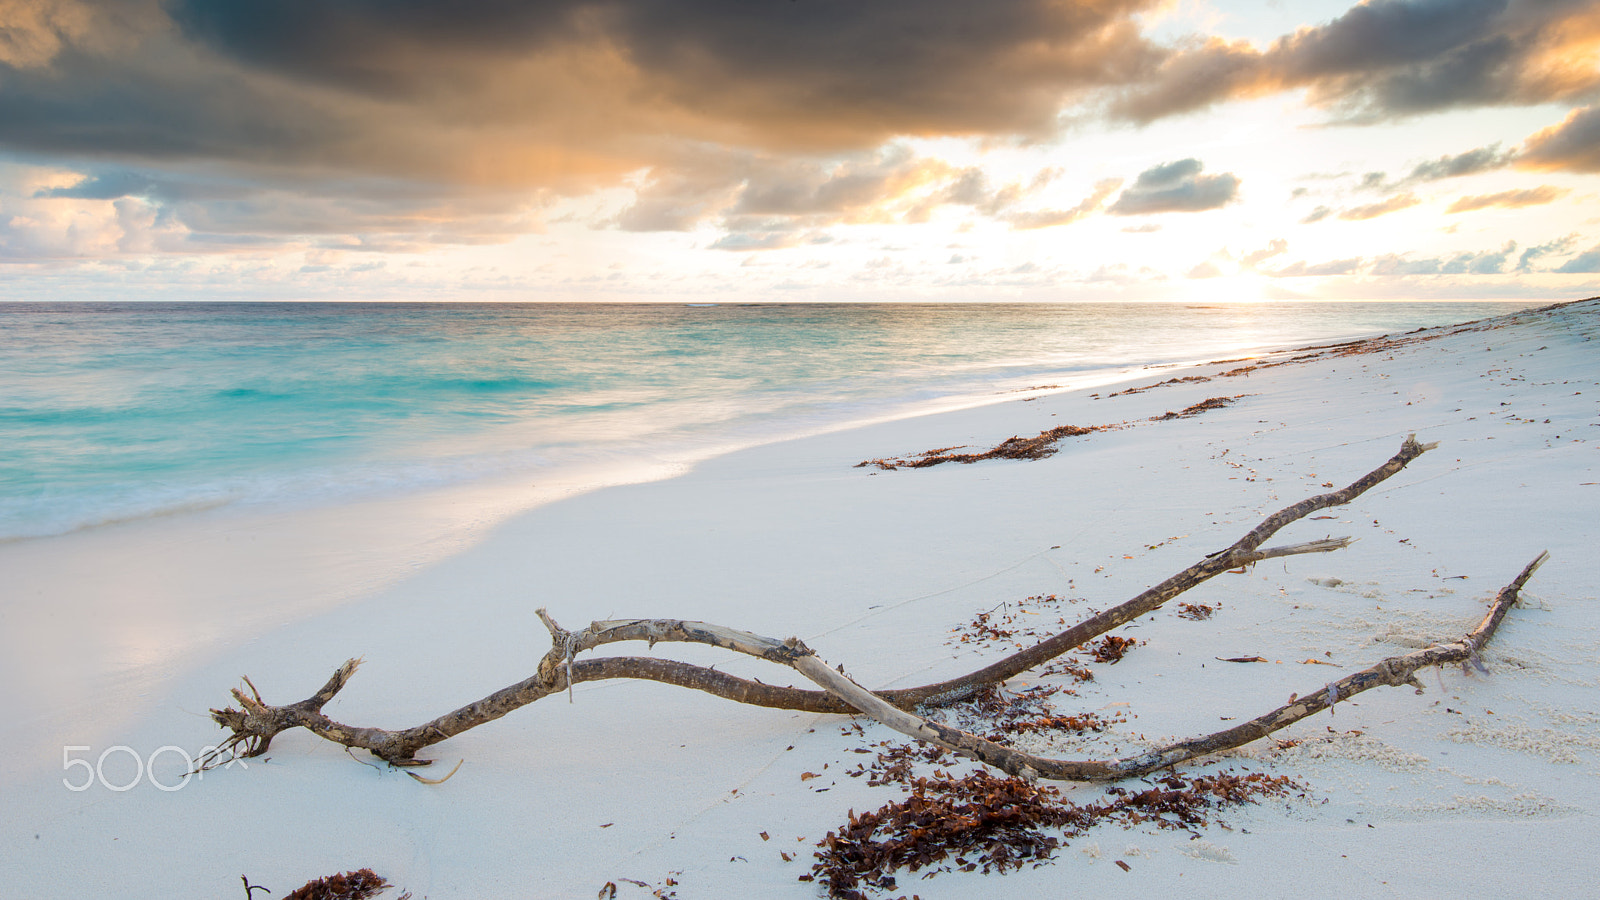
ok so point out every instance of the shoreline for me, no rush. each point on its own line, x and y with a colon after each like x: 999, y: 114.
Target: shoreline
x: 874, y: 569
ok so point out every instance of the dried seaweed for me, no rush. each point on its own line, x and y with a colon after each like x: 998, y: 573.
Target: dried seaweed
x: 981, y: 822
x: 1203, y: 406
x: 1111, y: 648
x: 1039, y: 447
x: 1013, y: 622
x: 1191, y: 379
x: 357, y: 885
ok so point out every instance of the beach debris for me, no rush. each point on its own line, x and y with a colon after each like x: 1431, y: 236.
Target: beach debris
x: 1191, y: 379
x: 664, y: 891
x: 357, y: 885
x: 438, y: 780
x: 1038, y: 447
x: 984, y: 823
x: 1198, y: 408
x: 1111, y: 648
x: 253, y: 726
x: 1196, y: 611
x: 1242, y: 659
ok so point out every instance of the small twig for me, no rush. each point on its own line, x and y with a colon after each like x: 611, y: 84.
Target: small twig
x: 350, y: 752
x: 438, y: 780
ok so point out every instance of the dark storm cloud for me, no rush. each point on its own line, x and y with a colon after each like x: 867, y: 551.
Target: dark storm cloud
x: 90, y: 106
x: 1176, y: 187
x: 1387, y: 58
x: 373, y: 45
x: 829, y: 72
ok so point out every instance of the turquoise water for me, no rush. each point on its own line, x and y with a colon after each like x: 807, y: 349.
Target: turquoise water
x: 117, y: 411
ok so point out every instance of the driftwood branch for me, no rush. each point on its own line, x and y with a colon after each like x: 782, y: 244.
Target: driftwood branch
x: 256, y: 723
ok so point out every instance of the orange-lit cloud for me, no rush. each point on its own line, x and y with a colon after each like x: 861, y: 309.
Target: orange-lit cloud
x: 1509, y: 199
x: 1383, y: 208
x: 1574, y: 145
x: 1387, y: 58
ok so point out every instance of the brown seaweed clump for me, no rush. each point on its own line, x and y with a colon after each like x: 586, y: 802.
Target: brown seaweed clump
x: 357, y: 885
x: 985, y: 823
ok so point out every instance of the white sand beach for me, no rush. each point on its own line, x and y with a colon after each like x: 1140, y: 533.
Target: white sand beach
x: 1486, y: 785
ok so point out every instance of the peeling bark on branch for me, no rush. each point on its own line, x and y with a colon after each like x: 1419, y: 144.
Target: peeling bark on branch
x: 255, y: 724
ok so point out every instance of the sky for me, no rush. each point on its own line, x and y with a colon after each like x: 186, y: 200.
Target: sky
x: 799, y: 150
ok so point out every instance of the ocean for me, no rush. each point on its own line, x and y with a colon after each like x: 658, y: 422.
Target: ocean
x: 117, y: 412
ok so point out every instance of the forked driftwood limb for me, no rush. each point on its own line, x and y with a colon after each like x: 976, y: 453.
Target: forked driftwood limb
x: 256, y: 723
x: 1394, y: 671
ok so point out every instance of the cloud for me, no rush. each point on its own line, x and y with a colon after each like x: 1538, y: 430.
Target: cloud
x: 1482, y: 159
x: 1317, y: 215
x: 1398, y: 264
x: 817, y: 75
x: 1176, y: 187
x: 204, y: 212
x: 1301, y: 269
x: 1484, y: 262
x: 1276, y: 247
x: 758, y: 240
x: 741, y: 191
x: 1481, y: 263
x: 384, y: 119
x: 1559, y: 245
x: 1049, y: 218
x: 1587, y: 262
x: 1572, y: 146
x: 1510, y: 199
x: 1374, y: 210
x: 1388, y: 58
